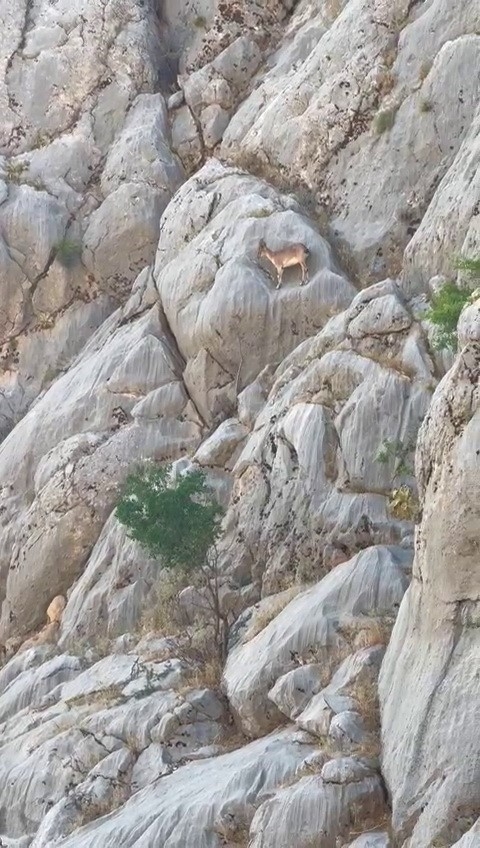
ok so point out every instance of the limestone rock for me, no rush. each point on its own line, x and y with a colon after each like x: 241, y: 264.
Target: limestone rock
x: 347, y: 725
x: 340, y: 98
x: 338, y: 698
x: 223, y: 446
x: 212, y: 91
x: 343, y: 770
x: 110, y: 234
x: 74, y: 99
x: 434, y: 246
x: 30, y: 686
x: 186, y: 141
x: 471, y: 839
x: 105, y: 788
x: 309, y: 469
x: 295, y: 689
x: 374, y: 839
x: 192, y: 797
x: 111, y: 591
x: 141, y: 152
x: 426, y: 678
x: 313, y: 809
x: 226, y: 309
x: 372, y: 583
x: 83, y: 424
x: 56, y: 608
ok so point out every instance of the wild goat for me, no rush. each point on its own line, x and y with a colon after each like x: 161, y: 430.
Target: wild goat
x: 295, y: 254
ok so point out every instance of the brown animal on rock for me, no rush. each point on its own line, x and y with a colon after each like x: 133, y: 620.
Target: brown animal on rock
x: 295, y: 254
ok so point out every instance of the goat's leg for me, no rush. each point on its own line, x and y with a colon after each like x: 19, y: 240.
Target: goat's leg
x: 304, y: 273
x: 279, y: 277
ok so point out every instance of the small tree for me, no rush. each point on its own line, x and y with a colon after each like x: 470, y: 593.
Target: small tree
x: 178, y: 520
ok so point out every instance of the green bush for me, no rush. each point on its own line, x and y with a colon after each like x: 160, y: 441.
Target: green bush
x: 177, y: 521
x: 471, y: 266
x: 445, y: 308
x: 68, y: 252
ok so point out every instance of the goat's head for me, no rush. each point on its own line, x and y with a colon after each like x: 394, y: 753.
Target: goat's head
x: 262, y: 248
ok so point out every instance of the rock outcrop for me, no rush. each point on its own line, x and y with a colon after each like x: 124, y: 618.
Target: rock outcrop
x: 431, y: 757
x: 310, y: 627
x: 85, y: 177
x: 309, y: 468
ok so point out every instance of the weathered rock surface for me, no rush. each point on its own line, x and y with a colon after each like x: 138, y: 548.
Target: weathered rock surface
x: 368, y: 110
x: 430, y: 670
x: 226, y: 315
x: 309, y: 468
x: 365, y: 91
x: 109, y: 595
x: 371, y: 584
x: 60, y: 469
x: 471, y: 839
x: 84, y: 181
x: 299, y: 814
x: 372, y: 840
x: 189, y: 806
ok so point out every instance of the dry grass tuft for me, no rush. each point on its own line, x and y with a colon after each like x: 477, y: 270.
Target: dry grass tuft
x: 205, y: 676
x: 95, y: 809
x: 101, y: 697
x: 263, y: 617
x: 368, y: 632
x: 368, y: 821
x: 425, y: 69
x: 164, y: 616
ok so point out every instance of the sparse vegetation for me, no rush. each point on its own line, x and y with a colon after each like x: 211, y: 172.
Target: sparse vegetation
x: 425, y: 69
x: 68, y: 252
x: 200, y: 22
x: 403, y: 504
x: 92, y: 808
x: 263, y: 617
x: 15, y: 171
x: 402, y: 501
x: 445, y: 309
x: 396, y: 452
x: 447, y: 304
x: 105, y: 697
x: 384, y: 120
x: 40, y: 140
x: 425, y: 105
x: 260, y: 213
x: 178, y: 520
x: 368, y: 820
x: 45, y: 320
x: 470, y: 266
x: 367, y: 632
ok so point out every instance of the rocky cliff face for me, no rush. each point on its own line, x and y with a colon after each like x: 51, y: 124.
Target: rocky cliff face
x: 145, y: 150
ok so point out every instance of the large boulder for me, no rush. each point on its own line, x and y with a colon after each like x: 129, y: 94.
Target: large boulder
x: 319, y: 807
x: 194, y: 805
x: 450, y: 226
x: 228, y: 319
x: 371, y: 584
